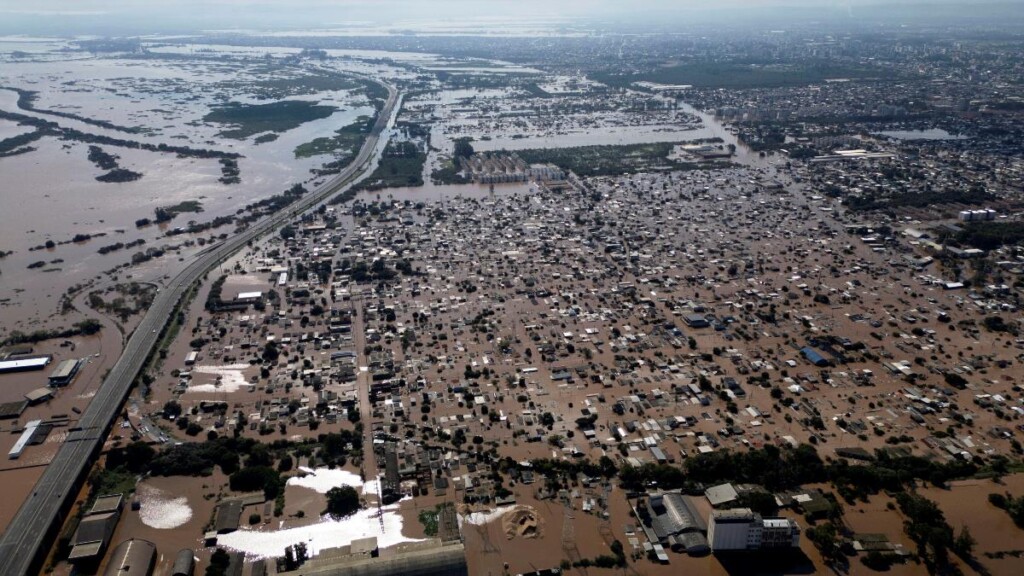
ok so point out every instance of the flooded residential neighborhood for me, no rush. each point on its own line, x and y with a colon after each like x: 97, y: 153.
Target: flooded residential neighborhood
x: 370, y: 292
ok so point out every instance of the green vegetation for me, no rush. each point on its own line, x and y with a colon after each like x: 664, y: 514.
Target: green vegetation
x: 991, y: 235
x: 463, y: 148
x: 274, y: 203
x: 258, y: 478
x: 229, y: 171
x: 401, y: 164
x: 167, y: 213
x: 27, y: 98
x: 47, y: 128
x: 101, y: 159
x: 926, y: 525
x: 251, y: 119
x: 826, y: 539
x: 282, y: 86
x: 868, y: 202
x: 610, y: 160
x: 129, y: 300
x: 111, y: 481
x: 448, y: 173
x: 342, y: 501
x: 784, y: 468
x: 1013, y: 506
x: 348, y: 139
x: 213, y: 299
x: 429, y: 518
x: 19, y: 144
x: 119, y: 175
x: 134, y: 458
x: 105, y: 161
x: 743, y: 75
x: 219, y: 563
x: 83, y: 328
x: 200, y: 459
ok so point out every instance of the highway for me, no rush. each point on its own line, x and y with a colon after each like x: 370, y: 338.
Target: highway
x: 30, y: 535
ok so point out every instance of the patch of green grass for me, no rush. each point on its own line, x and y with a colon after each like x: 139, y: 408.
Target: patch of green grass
x: 348, y: 139
x: 611, y: 160
x: 400, y: 165
x: 104, y: 481
x: 429, y: 520
x: 250, y: 119
x: 302, y: 85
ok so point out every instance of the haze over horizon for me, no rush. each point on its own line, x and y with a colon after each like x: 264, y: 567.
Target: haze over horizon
x: 121, y: 17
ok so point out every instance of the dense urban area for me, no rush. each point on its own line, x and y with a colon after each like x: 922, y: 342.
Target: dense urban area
x: 533, y: 304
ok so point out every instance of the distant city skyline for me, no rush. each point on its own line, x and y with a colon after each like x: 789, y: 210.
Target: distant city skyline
x: 132, y: 16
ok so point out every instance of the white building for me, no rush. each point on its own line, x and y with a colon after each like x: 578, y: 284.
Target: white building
x: 742, y: 529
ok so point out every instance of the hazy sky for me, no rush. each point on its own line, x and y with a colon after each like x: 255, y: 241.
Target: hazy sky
x: 31, y: 16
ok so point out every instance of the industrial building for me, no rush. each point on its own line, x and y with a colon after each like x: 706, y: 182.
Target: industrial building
x: 743, y: 529
x: 814, y: 357
x: 184, y: 563
x: 38, y: 396
x: 13, y: 409
x: 25, y: 363
x: 29, y: 432
x: 228, y: 515
x: 132, y: 558
x: 721, y: 494
x: 676, y: 522
x: 65, y: 372
x: 977, y: 215
x: 93, y: 535
x: 426, y: 558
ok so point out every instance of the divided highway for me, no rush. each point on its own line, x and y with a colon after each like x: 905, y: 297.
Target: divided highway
x: 27, y: 540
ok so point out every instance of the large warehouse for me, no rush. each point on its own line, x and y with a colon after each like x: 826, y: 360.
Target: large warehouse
x: 65, y: 372
x: 24, y: 363
x: 132, y: 558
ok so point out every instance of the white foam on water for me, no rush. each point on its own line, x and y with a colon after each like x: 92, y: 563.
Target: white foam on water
x: 328, y: 533
x: 479, y: 518
x: 373, y: 488
x: 323, y: 479
x: 231, y: 379
x: 160, y: 511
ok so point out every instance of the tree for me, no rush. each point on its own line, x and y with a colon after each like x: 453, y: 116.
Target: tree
x: 825, y: 537
x: 270, y: 352
x: 463, y: 149
x: 219, y: 562
x: 964, y: 543
x: 547, y: 420
x: 138, y: 455
x: 342, y: 501
x: 257, y: 478
x: 761, y: 502
x: 172, y: 409
x: 286, y: 463
x: 926, y: 525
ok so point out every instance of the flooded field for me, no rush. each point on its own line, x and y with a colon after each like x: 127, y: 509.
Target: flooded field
x: 52, y: 192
